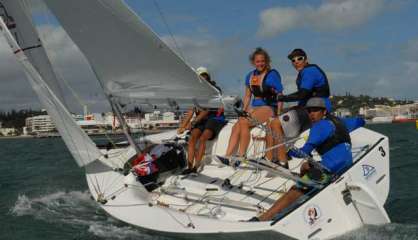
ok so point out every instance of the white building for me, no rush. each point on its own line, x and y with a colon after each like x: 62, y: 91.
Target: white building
x: 342, y: 112
x: 8, y: 131
x: 153, y: 116
x: 388, y: 111
x: 40, y: 124
x: 169, y: 116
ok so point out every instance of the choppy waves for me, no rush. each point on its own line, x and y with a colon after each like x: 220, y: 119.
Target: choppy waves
x: 75, y: 208
x: 392, y: 231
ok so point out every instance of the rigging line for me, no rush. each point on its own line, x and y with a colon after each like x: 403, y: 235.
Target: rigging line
x: 175, y: 219
x: 74, y: 93
x: 58, y: 74
x: 91, y: 181
x: 26, y: 6
x: 37, y: 79
x: 116, y: 192
x: 66, y: 128
x: 115, y: 179
x: 98, y: 186
x: 169, y: 30
x: 273, y: 192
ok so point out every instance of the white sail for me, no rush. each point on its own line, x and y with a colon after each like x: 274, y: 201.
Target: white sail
x: 79, y: 144
x: 15, y: 13
x: 128, y: 58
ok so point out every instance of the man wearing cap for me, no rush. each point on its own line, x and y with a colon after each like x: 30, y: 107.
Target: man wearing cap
x: 204, y: 73
x: 311, y: 81
x: 205, y: 126
x: 330, y: 137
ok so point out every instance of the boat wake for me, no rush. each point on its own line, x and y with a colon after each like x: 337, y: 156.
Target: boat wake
x: 75, y: 208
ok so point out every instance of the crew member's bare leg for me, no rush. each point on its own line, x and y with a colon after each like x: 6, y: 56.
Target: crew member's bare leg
x: 233, y: 140
x: 244, y: 139
x: 261, y: 114
x: 206, y: 135
x: 304, y: 168
x: 194, y: 136
x: 288, y: 198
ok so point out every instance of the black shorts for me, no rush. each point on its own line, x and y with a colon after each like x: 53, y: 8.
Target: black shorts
x: 211, y: 124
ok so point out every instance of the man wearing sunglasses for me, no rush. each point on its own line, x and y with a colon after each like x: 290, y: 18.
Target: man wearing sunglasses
x: 330, y: 137
x: 311, y: 81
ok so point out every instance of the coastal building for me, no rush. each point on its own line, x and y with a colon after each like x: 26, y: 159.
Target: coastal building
x: 8, y: 131
x: 25, y: 131
x: 39, y: 124
x: 386, y: 114
x: 99, y: 123
x: 93, y: 126
x: 342, y: 112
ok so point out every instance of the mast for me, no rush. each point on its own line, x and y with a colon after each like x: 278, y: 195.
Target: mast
x: 126, y: 130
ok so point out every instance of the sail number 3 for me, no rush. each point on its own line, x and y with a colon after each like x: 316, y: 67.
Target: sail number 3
x: 382, y: 151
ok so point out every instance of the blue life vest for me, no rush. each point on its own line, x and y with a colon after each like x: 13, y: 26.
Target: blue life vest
x: 318, y: 91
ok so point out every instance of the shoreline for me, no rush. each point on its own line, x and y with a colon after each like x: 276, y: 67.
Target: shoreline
x: 56, y: 135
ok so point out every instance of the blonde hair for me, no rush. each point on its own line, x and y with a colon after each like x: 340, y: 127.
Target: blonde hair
x: 261, y: 51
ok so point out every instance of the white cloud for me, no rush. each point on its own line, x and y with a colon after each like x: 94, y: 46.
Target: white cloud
x: 224, y: 59
x: 277, y: 20
x: 204, y: 50
x: 330, y: 15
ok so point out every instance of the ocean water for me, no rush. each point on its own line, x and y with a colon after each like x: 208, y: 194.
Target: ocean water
x: 43, y: 194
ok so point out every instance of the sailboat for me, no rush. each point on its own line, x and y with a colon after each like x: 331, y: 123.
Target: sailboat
x: 131, y: 62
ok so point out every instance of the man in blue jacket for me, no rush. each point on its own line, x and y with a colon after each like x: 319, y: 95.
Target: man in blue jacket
x: 330, y: 137
x: 311, y: 81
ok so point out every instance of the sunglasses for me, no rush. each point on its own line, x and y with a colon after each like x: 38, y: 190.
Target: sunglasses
x: 314, y: 109
x: 297, y: 59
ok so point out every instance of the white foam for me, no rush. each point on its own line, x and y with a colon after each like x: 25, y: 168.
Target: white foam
x: 74, y: 208
x: 22, y: 206
x: 34, y: 206
x: 114, y: 232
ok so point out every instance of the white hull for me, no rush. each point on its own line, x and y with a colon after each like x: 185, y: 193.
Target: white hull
x: 195, y: 205
x: 170, y: 211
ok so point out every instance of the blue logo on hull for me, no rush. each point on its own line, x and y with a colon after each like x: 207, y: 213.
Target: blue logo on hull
x: 368, y: 171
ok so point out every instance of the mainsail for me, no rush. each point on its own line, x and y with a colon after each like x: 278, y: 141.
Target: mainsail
x: 129, y: 59
x: 79, y: 144
x: 18, y: 17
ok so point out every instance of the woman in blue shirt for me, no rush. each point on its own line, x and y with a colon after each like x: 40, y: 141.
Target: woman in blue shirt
x: 261, y: 87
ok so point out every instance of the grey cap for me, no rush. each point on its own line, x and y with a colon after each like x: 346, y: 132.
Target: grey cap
x: 316, y: 102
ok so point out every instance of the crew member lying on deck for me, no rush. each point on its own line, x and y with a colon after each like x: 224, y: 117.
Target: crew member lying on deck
x: 329, y: 136
x: 206, y: 125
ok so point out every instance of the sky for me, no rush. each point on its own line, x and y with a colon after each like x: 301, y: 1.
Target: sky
x: 364, y: 46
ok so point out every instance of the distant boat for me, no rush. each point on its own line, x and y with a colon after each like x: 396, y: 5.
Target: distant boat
x: 377, y: 120
x: 131, y: 62
x: 403, y: 119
